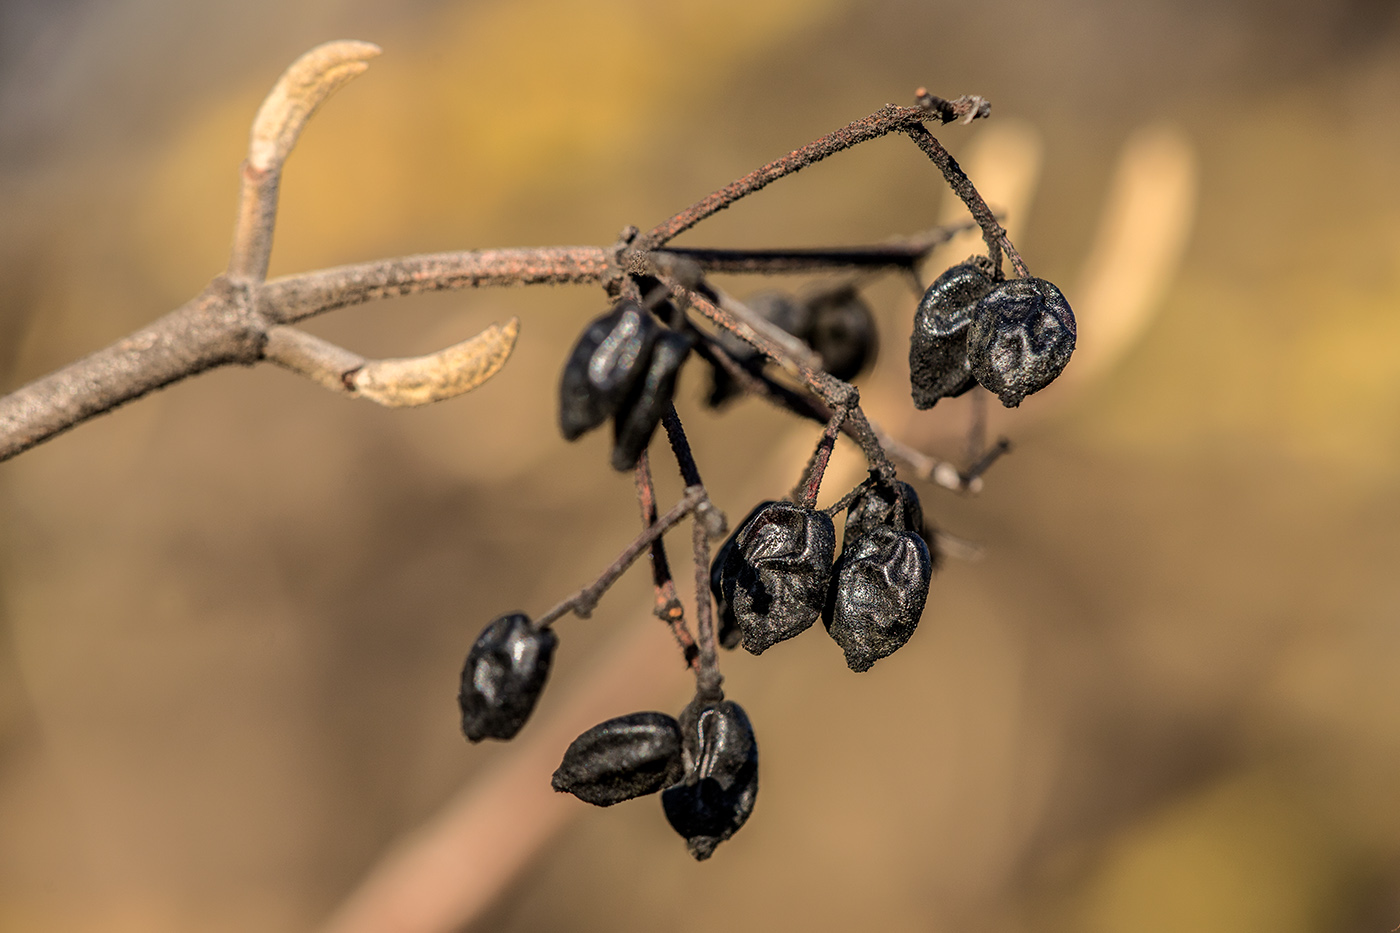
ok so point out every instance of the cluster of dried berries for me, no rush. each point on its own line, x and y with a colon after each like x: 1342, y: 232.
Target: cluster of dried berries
x: 1013, y: 338
x: 779, y: 571
x: 624, y: 367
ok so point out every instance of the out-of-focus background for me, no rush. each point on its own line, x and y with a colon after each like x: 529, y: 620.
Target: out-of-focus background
x: 234, y: 613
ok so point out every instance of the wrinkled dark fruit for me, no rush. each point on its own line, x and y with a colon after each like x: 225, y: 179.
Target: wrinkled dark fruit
x: 779, y: 309
x: 1021, y: 337
x: 640, y: 413
x: 729, y: 626
x: 611, y: 354
x: 774, y: 581
x: 881, y: 586
x: 504, y: 674
x: 626, y: 757
x: 842, y: 332
x: 875, y: 506
x: 938, y: 363
x: 721, y: 776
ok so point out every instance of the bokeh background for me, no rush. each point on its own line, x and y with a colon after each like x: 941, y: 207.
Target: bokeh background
x: 1165, y: 699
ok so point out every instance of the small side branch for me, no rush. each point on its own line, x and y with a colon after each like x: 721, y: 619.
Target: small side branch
x: 583, y: 602
x: 395, y: 383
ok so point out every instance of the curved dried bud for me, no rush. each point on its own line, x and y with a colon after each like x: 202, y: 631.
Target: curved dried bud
x: 610, y: 356
x: 505, y: 671
x: 301, y: 89
x: 640, y: 412
x: 418, y: 380
x: 938, y: 365
x: 623, y: 758
x: 721, y: 776
x: 878, y: 595
x: 1021, y: 337
x: 774, y: 580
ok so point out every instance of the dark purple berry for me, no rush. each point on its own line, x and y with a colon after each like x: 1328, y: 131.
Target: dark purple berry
x: 842, y: 332
x: 504, y: 674
x: 938, y: 364
x: 626, y: 757
x: 724, y: 557
x: 1021, y: 337
x: 640, y: 413
x: 878, y: 595
x: 610, y: 356
x: 721, y: 776
x: 776, y: 578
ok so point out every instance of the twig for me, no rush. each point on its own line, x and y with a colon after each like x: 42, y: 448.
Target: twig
x: 886, y: 120
x: 992, y: 232
x: 583, y: 602
x: 668, y: 607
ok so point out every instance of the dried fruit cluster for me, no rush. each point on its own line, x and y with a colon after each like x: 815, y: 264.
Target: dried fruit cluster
x: 779, y: 570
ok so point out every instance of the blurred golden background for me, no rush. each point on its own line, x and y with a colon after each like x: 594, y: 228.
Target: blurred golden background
x: 234, y: 612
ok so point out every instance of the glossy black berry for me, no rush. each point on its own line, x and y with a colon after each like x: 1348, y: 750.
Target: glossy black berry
x: 938, y: 363
x: 504, y: 674
x: 842, y: 331
x: 721, y: 776
x: 881, y: 584
x: 1021, y: 337
x: 626, y: 757
x: 641, y: 411
x: 775, y: 580
x: 875, y: 506
x: 726, y: 556
x: 610, y: 356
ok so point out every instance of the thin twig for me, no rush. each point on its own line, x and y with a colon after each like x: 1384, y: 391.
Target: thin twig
x: 583, y: 602
x: 668, y: 607
x: 886, y: 120
x: 992, y: 231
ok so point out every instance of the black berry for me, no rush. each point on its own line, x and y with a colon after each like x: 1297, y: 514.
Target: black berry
x: 938, y: 363
x: 626, y: 757
x: 721, y: 776
x: 774, y: 581
x: 875, y: 506
x: 504, y: 674
x: 611, y: 354
x: 779, y: 309
x: 727, y: 553
x: 878, y: 595
x: 1021, y: 337
x: 640, y: 413
x: 842, y: 332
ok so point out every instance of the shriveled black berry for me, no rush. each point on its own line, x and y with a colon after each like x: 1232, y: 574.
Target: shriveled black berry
x: 1021, y: 337
x: 721, y: 776
x: 881, y: 585
x: 842, y: 331
x: 504, y: 674
x: 640, y: 413
x: 779, y: 309
x: 938, y: 364
x: 610, y: 356
x: 776, y: 578
x: 626, y: 757
x: 875, y: 506
x: 724, y: 557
